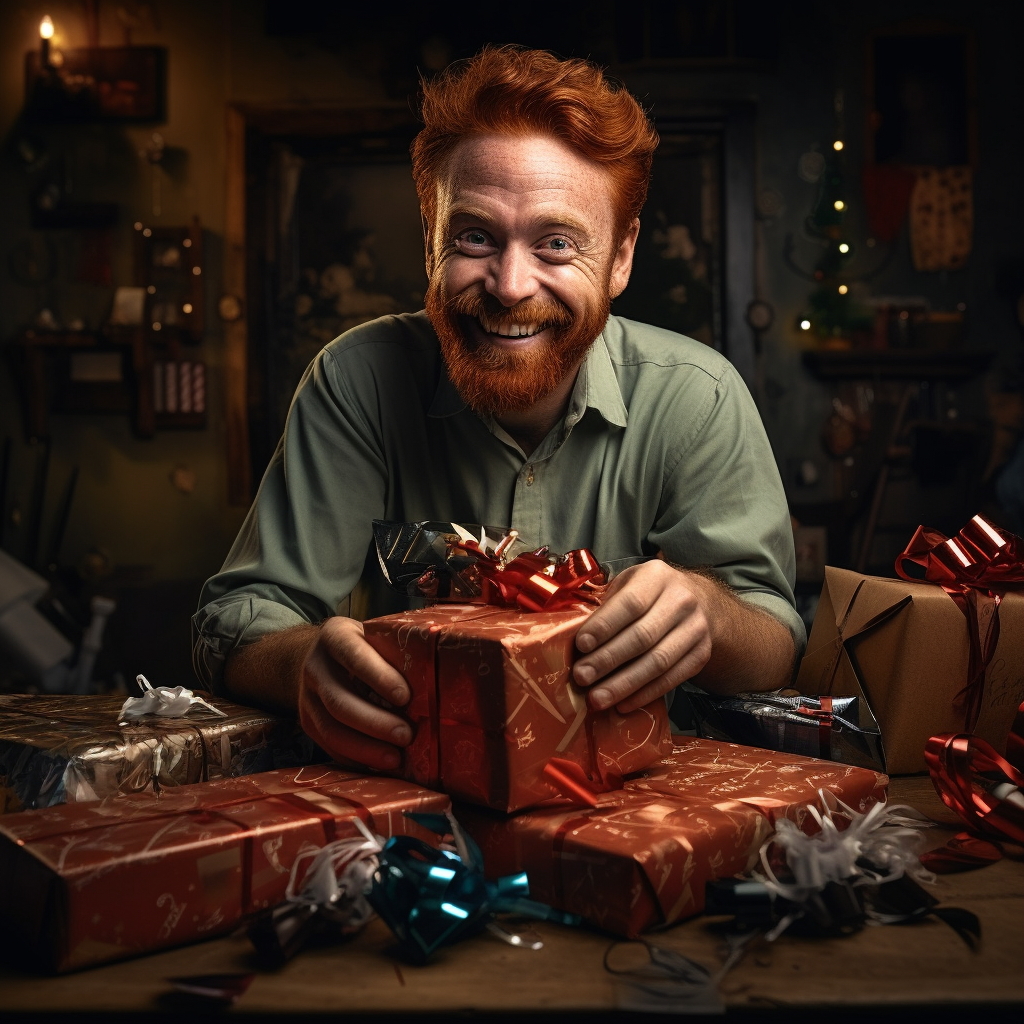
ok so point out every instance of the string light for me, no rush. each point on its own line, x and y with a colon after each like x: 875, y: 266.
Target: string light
x: 843, y: 289
x: 837, y: 145
x: 805, y: 325
x: 839, y: 204
x: 843, y: 247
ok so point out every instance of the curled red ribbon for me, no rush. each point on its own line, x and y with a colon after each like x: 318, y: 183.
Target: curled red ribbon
x: 974, y: 568
x: 963, y: 770
x: 532, y: 582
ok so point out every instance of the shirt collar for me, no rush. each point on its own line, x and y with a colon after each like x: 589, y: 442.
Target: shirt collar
x: 596, y: 387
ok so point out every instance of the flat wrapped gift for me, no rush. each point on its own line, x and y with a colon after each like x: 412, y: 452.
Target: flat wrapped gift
x: 641, y: 857
x: 492, y: 702
x: 85, y: 883
x: 904, y: 649
x: 68, y: 748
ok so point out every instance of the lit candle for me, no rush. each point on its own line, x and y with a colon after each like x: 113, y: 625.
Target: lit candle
x: 45, y: 35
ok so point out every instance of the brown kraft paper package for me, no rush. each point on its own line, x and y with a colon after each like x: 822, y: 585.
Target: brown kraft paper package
x: 904, y: 648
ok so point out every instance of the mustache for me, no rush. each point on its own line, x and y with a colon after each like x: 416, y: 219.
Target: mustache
x: 549, y: 312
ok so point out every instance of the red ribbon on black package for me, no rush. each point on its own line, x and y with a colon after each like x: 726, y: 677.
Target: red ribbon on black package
x: 975, y: 567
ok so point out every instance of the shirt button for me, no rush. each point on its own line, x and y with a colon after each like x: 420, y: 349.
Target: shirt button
x: 529, y: 476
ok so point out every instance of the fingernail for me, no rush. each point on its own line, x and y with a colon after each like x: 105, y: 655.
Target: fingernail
x: 585, y: 642
x: 584, y: 674
x: 400, y: 696
x: 401, y: 734
x: 600, y: 699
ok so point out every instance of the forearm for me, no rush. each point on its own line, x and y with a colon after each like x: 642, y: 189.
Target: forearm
x: 266, y: 673
x: 751, y: 650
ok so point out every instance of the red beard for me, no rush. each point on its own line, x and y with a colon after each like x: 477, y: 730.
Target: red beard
x: 495, y: 380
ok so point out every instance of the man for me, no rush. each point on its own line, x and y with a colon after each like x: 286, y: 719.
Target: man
x: 514, y: 399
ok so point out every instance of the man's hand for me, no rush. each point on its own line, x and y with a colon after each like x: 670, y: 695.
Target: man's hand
x: 336, y: 681
x: 659, y: 626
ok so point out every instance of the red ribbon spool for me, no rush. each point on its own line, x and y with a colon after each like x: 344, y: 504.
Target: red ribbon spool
x: 962, y: 769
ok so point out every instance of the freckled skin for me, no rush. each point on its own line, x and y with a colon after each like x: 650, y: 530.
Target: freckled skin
x: 523, y: 219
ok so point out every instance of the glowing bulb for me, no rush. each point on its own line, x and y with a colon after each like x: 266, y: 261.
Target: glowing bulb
x: 46, y: 28
x: 837, y: 145
x: 843, y: 289
x: 839, y: 204
x: 805, y: 325
x: 843, y: 247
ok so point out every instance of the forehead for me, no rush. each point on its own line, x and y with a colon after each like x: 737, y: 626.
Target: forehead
x: 526, y: 178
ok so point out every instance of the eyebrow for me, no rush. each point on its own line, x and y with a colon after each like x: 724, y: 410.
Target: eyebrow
x: 561, y: 220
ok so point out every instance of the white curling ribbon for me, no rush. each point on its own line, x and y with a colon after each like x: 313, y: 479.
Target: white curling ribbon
x: 338, y: 878
x: 164, y: 701
x: 886, y: 837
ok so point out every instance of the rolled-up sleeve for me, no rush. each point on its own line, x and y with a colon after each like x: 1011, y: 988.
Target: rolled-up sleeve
x: 303, y: 545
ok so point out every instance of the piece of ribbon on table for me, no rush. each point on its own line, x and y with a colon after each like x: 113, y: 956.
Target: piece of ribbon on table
x: 973, y: 568
x: 964, y: 771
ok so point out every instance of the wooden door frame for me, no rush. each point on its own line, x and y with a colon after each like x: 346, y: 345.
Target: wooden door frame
x: 275, y: 120
x: 735, y: 121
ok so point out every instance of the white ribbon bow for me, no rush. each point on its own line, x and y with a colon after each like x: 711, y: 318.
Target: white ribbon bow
x: 164, y: 701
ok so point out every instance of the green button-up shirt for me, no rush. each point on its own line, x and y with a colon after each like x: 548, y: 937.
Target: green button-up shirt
x: 661, y: 449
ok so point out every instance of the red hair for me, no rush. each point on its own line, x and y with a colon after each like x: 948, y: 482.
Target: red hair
x: 512, y: 91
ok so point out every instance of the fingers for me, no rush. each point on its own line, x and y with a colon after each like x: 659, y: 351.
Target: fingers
x: 343, y: 640
x: 345, y: 744
x: 651, y: 634
x: 680, y: 656
x: 343, y: 684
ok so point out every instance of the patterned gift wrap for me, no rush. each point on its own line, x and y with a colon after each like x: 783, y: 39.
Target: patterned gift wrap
x: 66, y: 749
x: 641, y: 858
x: 85, y: 883
x: 492, y: 702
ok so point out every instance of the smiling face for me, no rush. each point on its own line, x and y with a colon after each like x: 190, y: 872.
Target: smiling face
x: 523, y: 264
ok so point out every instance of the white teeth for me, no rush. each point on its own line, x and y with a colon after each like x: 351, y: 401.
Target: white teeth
x: 509, y: 330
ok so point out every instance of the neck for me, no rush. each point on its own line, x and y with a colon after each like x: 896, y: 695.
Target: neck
x: 528, y: 427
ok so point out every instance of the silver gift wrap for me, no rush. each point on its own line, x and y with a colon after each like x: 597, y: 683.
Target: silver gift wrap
x: 425, y: 559
x: 847, y: 732
x: 66, y: 749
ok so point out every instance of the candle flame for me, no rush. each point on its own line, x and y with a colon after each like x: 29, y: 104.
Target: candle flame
x: 46, y: 27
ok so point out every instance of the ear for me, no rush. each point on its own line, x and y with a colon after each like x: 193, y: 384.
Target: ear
x: 428, y: 245
x: 622, y: 263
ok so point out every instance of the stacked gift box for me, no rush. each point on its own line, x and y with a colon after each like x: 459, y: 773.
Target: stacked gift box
x: 60, y: 748
x: 608, y: 819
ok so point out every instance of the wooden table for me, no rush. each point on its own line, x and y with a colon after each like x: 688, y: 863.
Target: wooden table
x: 921, y: 965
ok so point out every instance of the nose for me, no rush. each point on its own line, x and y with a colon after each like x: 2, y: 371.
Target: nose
x: 512, y: 276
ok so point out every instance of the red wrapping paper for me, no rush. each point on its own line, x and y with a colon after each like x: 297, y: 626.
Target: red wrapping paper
x: 492, y: 702
x: 85, y: 883
x: 641, y: 858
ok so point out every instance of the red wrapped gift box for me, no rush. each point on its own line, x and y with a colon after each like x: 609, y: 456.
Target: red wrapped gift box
x: 492, y: 703
x: 85, y: 883
x: 640, y: 859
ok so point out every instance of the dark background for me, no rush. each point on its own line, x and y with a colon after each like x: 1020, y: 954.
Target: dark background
x: 131, y: 529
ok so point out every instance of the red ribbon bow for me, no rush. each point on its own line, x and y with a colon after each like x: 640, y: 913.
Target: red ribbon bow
x: 532, y: 582
x: 974, y: 568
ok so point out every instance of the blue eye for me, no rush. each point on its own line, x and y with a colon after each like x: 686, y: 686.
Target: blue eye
x: 476, y: 238
x: 559, y: 243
